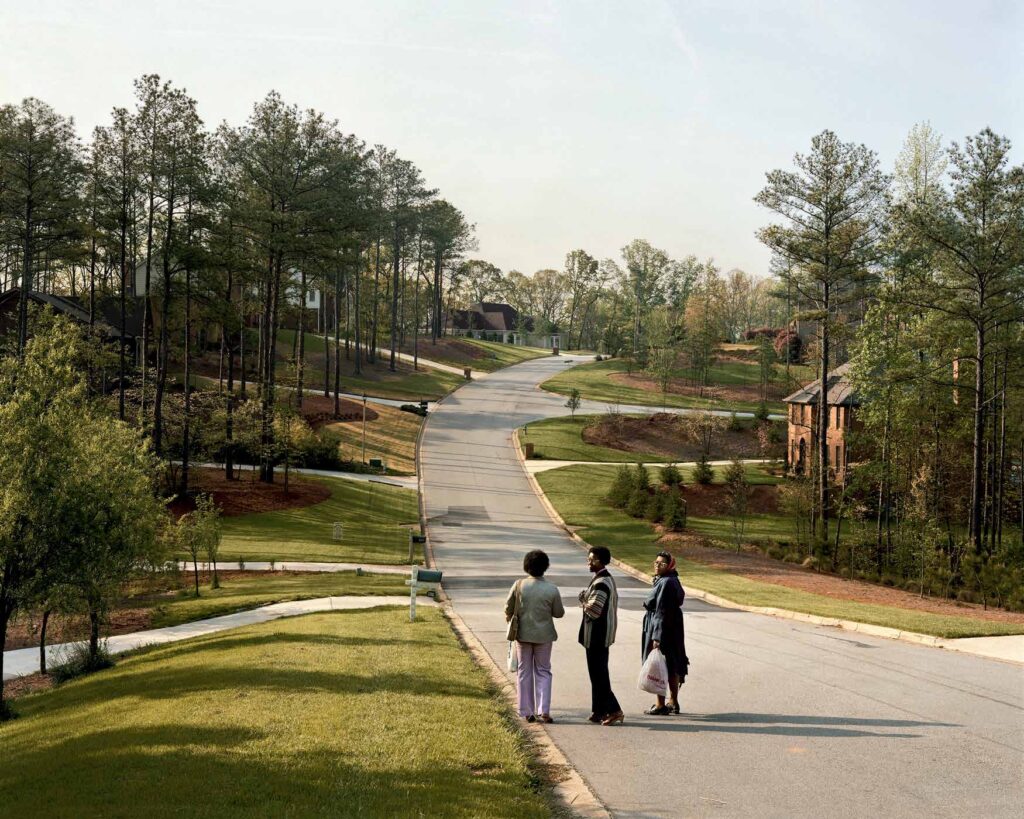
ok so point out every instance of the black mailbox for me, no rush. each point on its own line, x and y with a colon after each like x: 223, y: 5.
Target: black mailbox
x: 428, y: 576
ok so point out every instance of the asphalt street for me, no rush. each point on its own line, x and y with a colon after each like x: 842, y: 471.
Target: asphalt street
x: 780, y: 719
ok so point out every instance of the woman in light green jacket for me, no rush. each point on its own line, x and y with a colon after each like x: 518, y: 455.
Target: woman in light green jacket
x: 536, y: 602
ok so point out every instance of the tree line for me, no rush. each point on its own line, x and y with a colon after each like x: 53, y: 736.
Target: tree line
x: 916, y: 277
x: 226, y: 230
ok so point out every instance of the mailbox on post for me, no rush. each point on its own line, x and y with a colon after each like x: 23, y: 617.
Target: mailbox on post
x: 414, y: 541
x: 421, y: 579
x: 423, y: 407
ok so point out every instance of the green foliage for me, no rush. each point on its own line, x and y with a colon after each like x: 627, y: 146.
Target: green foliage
x: 671, y: 476
x: 621, y: 488
x: 637, y: 504
x: 77, y: 661
x: 738, y: 491
x: 735, y: 425
x: 703, y: 473
x: 674, y: 512
x: 653, y: 507
x: 641, y: 477
x: 573, y: 403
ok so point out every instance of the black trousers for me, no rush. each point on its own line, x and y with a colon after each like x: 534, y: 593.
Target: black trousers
x: 602, y: 699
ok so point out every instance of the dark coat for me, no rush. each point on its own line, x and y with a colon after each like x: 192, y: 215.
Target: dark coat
x: 663, y: 621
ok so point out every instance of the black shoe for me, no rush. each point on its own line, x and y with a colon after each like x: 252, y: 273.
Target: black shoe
x: 596, y: 718
x: 531, y: 718
x: 675, y: 707
x: 658, y: 711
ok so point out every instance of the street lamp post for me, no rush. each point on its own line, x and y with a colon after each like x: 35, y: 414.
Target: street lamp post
x: 364, y: 427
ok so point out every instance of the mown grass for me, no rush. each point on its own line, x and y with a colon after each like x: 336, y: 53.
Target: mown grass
x: 578, y: 492
x: 337, y: 714
x: 594, y: 382
x: 391, y: 436
x: 263, y: 588
x: 375, y: 520
x: 501, y: 355
x: 560, y: 439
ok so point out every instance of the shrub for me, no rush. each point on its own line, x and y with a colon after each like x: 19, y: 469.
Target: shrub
x: 792, y: 557
x: 671, y: 476
x: 641, y: 477
x: 321, y: 451
x: 637, y: 504
x: 810, y: 562
x: 702, y: 472
x: 776, y: 552
x: 75, y: 661
x: 762, y: 412
x: 761, y: 332
x: 598, y: 357
x: 673, y: 511
x: 735, y: 425
x: 621, y: 488
x: 416, y: 409
x: 653, y: 507
x: 795, y: 343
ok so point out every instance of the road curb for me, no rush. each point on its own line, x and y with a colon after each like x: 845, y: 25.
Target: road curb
x: 715, y: 600
x: 572, y: 791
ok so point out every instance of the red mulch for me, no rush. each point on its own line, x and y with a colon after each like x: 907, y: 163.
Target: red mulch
x: 29, y: 684
x: 712, y: 499
x: 663, y: 434
x: 319, y: 411
x: 681, y: 386
x: 757, y: 566
x: 246, y: 495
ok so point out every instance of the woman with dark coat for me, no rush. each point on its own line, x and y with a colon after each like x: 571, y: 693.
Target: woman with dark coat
x: 663, y: 629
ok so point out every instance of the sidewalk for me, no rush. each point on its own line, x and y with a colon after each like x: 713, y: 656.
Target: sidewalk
x: 391, y: 480
x: 426, y: 362
x: 23, y: 661
x: 301, y: 566
x: 541, y: 465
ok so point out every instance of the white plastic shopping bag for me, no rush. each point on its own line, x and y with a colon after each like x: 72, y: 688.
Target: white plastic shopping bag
x: 654, y: 674
x: 513, y: 656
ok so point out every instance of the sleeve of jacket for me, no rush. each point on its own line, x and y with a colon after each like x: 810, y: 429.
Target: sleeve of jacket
x: 657, y: 613
x: 557, y: 609
x: 510, y: 602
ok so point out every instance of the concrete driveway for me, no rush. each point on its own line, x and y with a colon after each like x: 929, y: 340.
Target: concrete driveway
x: 779, y: 718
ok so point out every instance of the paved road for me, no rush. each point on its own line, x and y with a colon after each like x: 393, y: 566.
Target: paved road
x: 780, y: 718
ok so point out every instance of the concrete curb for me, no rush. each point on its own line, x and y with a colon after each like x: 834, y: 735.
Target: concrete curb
x: 715, y: 600
x: 572, y: 791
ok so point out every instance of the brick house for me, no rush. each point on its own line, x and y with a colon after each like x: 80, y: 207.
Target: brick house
x: 802, y: 412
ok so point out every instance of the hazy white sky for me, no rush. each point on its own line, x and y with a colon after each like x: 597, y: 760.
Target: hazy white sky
x: 562, y: 124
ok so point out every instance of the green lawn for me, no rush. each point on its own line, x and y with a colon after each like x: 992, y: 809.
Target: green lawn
x: 592, y: 380
x: 577, y: 492
x: 373, y: 516
x: 500, y: 355
x: 263, y: 588
x: 560, y: 439
x: 390, y: 436
x: 336, y: 714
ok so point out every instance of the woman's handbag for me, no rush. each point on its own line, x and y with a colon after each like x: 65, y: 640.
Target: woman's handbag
x: 513, y: 622
x: 513, y: 657
x: 654, y: 674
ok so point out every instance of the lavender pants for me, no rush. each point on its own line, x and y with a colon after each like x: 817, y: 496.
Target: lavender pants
x: 534, y: 676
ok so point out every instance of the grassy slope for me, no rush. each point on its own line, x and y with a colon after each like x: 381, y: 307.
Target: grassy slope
x: 391, y: 436
x: 263, y: 588
x: 378, y: 381
x: 372, y: 514
x: 501, y: 355
x: 577, y: 493
x: 592, y: 380
x: 344, y: 713
x: 560, y: 439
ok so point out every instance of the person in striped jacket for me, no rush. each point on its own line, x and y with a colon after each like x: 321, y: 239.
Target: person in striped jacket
x: 600, y: 603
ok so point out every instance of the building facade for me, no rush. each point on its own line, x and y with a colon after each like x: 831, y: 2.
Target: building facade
x: 802, y: 415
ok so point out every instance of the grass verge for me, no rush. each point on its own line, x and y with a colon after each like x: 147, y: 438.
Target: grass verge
x: 578, y: 492
x: 594, y: 382
x: 344, y: 713
x: 560, y: 439
x: 263, y: 588
x: 375, y: 520
x: 391, y: 436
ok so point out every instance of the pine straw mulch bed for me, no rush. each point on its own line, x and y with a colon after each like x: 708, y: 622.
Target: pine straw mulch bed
x: 750, y: 393
x: 247, y: 495
x: 664, y: 434
x: 756, y: 566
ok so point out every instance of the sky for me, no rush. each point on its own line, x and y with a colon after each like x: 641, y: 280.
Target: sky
x: 564, y: 124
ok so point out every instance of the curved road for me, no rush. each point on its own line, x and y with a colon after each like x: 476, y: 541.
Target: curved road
x: 779, y: 718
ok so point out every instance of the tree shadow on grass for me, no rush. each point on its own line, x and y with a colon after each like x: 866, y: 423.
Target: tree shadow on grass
x: 177, y: 770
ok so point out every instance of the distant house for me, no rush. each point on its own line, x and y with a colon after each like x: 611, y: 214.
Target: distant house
x: 803, y: 417
x: 107, y: 316
x: 493, y: 321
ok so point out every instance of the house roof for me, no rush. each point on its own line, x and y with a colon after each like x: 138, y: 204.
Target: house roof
x: 840, y: 391
x: 493, y: 317
x: 108, y: 310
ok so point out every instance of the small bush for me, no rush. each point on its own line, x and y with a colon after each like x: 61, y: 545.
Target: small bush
x: 673, y: 511
x: 621, y: 488
x: 792, y: 557
x: 735, y: 425
x: 762, y: 412
x: 76, y: 662
x: 845, y: 572
x: 776, y: 552
x: 641, y: 477
x: 653, y: 508
x: 637, y: 504
x: 890, y: 579
x: 671, y: 476
x: 795, y: 343
x: 598, y: 357
x: 415, y: 409
x: 810, y: 562
x: 703, y: 472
